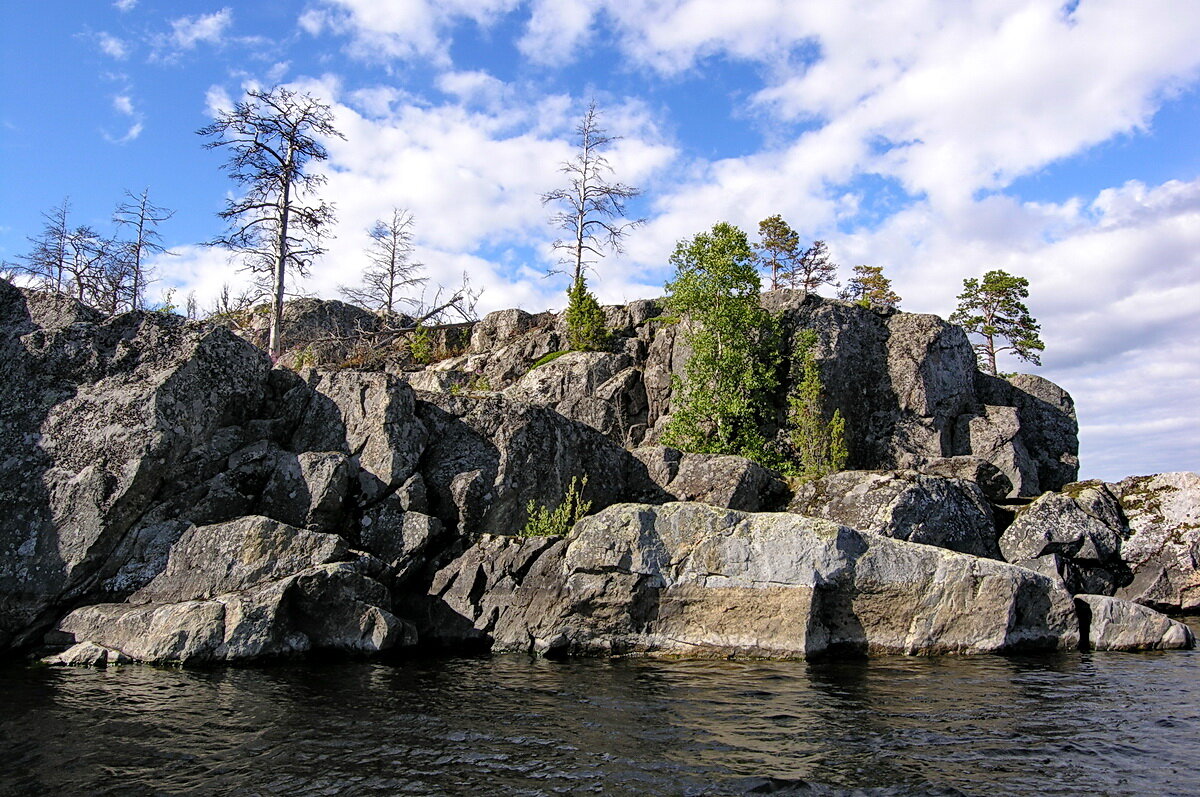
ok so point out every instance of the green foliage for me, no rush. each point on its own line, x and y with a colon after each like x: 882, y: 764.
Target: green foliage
x: 304, y: 358
x: 721, y: 403
x: 869, y: 288
x: 547, y: 358
x: 993, y: 310
x: 422, y: 347
x: 556, y: 522
x: 585, y: 320
x: 778, y: 249
x: 819, y: 446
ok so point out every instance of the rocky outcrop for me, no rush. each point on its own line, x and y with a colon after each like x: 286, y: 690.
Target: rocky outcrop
x: 695, y: 580
x: 906, y: 384
x: 1163, y: 548
x: 1075, y: 535
x: 487, y: 458
x: 906, y: 505
x: 1113, y: 624
x: 248, y: 589
x: 102, y: 420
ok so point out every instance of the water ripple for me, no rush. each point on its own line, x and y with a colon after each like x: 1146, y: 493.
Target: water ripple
x: 1070, y: 725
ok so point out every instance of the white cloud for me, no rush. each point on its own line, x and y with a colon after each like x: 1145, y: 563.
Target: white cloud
x: 187, y: 32
x: 558, y: 30
x: 125, y: 5
x: 400, y: 29
x: 112, y: 46
x: 123, y: 105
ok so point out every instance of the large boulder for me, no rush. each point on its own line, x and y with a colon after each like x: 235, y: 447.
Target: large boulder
x: 249, y: 589
x: 723, y: 480
x: 1075, y: 534
x: 1113, y: 624
x: 1163, y: 548
x: 600, y: 389
x: 932, y: 510
x: 691, y: 579
x: 488, y: 457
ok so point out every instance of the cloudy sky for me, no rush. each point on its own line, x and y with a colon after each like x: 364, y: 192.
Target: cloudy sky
x: 936, y: 138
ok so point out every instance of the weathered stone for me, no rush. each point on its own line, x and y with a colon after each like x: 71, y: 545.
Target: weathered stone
x: 1083, y: 526
x: 248, y: 589
x: 990, y: 479
x: 599, y: 389
x: 309, y: 489
x: 906, y: 505
x: 488, y: 457
x: 995, y: 436
x: 720, y: 480
x: 499, y: 328
x: 1114, y: 624
x: 88, y: 654
x: 700, y: 581
x: 1048, y: 427
x: 314, y: 332
x: 101, y: 420
x: 371, y: 417
x: 1164, y: 547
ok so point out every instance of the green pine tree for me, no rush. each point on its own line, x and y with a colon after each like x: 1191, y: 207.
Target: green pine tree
x: 992, y: 310
x: 585, y: 319
x: 819, y: 445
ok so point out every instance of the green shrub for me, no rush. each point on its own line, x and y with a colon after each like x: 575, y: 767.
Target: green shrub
x: 585, y: 320
x: 818, y: 446
x: 422, y: 347
x: 547, y: 358
x: 557, y: 522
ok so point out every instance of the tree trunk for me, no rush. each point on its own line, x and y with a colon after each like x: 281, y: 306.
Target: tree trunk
x: 275, y: 345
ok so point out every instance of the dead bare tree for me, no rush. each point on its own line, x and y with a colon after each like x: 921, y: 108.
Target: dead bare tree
x: 391, y: 270
x: 141, y: 217
x: 280, y: 223
x: 593, y: 208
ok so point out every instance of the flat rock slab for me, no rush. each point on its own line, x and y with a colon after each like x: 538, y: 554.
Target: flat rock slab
x: 695, y: 580
x: 1115, y: 624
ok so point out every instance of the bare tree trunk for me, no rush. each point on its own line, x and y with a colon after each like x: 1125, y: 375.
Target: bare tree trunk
x: 275, y: 345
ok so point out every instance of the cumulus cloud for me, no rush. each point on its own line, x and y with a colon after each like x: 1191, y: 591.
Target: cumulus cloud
x: 401, y: 28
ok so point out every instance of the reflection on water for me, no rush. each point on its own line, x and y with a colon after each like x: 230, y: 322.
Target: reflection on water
x: 1079, y: 724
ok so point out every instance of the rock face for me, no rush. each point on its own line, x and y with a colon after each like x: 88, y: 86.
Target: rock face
x: 1164, y: 546
x: 102, y: 419
x: 700, y: 581
x: 168, y: 496
x: 249, y: 589
x: 906, y: 505
x: 1076, y: 535
x: 906, y: 384
x: 1115, y: 624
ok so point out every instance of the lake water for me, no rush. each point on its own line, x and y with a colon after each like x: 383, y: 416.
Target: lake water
x: 1075, y: 724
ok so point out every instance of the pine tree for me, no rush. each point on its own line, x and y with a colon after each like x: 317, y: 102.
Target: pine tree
x: 778, y: 249
x: 993, y: 310
x: 585, y: 319
x: 869, y: 288
x: 819, y: 445
x: 813, y: 269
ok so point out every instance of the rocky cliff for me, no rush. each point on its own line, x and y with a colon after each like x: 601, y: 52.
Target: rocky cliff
x: 169, y: 496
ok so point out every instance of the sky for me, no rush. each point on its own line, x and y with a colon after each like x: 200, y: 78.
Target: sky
x: 936, y: 138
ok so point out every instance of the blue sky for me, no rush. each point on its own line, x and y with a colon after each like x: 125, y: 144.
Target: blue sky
x: 938, y: 139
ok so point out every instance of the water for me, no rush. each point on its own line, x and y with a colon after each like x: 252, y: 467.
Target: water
x: 1075, y: 724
